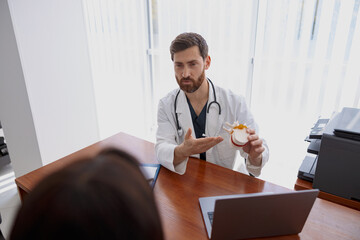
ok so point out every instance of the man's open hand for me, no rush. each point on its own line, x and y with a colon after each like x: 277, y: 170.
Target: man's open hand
x: 192, y: 146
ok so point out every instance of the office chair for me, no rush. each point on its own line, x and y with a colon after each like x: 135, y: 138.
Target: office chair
x: 3, y: 147
x: 1, y: 235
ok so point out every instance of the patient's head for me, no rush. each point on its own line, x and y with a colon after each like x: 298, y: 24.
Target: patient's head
x: 105, y: 197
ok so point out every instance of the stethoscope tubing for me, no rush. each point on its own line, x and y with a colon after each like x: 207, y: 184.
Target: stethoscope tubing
x: 179, y: 129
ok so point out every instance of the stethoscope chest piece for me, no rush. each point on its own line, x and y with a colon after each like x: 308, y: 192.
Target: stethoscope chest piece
x: 180, y: 132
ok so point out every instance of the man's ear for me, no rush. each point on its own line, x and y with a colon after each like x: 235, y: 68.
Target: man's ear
x: 207, y: 62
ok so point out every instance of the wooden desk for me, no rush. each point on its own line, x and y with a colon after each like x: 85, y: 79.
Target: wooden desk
x: 177, y: 195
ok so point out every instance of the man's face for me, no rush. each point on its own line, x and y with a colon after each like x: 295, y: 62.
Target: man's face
x: 189, y: 69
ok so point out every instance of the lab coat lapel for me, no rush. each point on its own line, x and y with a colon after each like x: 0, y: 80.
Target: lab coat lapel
x: 184, y: 115
x: 214, y: 121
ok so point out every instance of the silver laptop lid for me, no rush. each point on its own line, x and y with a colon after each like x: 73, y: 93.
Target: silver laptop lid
x: 207, y: 205
x: 259, y: 215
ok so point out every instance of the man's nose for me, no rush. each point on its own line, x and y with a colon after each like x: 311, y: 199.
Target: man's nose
x: 186, y: 72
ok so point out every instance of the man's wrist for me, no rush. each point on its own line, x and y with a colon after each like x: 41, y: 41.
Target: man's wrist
x: 179, y: 155
x: 255, y: 161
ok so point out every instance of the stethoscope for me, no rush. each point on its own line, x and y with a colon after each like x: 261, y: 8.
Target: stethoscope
x: 179, y: 129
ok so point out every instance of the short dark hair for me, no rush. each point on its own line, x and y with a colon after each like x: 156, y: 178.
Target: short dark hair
x: 187, y: 40
x: 104, y: 197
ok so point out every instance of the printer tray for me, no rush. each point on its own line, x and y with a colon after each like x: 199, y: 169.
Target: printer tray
x: 308, y: 167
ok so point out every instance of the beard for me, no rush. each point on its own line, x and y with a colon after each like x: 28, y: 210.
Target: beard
x: 190, y: 88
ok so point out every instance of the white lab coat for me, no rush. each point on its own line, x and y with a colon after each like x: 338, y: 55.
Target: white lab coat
x: 233, y: 108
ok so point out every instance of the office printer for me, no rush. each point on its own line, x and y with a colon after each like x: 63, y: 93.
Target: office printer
x: 333, y: 159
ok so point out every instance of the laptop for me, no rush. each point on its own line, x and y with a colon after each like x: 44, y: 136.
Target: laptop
x: 348, y: 125
x: 256, y: 215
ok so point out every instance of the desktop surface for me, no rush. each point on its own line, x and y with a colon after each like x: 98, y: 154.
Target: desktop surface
x: 177, y: 195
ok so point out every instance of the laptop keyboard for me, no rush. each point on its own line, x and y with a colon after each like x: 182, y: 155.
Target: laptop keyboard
x: 211, y: 216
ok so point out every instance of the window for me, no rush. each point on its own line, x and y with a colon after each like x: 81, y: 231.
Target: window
x: 293, y: 60
x: 305, y: 66
x: 118, y: 41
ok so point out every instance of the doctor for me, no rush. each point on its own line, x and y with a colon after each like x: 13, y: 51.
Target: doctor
x: 191, y: 119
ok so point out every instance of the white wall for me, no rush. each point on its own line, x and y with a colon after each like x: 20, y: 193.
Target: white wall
x: 51, y: 40
x: 15, y: 112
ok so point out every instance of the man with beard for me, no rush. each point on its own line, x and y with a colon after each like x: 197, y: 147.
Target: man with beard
x: 191, y: 119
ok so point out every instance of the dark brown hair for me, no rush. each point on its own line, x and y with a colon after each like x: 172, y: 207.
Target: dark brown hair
x: 187, y: 40
x: 105, y: 197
